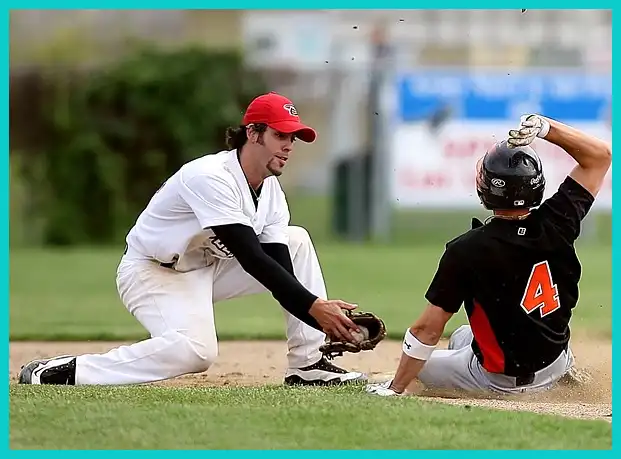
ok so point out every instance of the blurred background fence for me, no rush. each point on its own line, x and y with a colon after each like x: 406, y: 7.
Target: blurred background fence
x: 105, y: 104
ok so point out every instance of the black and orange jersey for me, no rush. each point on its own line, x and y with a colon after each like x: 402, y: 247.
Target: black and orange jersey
x: 518, y: 281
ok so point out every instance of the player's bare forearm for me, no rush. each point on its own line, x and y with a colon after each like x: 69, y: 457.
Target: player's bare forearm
x: 593, y: 155
x: 427, y: 330
x: 406, y: 372
x: 409, y: 367
x: 587, y: 150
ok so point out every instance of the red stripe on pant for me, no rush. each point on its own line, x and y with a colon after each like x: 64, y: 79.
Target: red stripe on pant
x: 493, y: 356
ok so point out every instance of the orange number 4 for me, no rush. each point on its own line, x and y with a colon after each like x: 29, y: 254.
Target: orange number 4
x: 540, y: 291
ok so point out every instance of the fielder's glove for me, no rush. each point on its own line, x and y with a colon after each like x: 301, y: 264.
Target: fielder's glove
x: 381, y: 389
x: 376, y: 333
x: 531, y: 127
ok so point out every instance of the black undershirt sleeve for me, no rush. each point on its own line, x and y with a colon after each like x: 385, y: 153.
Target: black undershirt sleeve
x: 272, y: 268
x: 280, y: 253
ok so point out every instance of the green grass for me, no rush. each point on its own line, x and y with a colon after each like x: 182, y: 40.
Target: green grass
x: 71, y: 295
x: 275, y: 418
x: 416, y: 226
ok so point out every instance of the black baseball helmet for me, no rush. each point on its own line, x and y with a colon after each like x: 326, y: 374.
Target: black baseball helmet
x: 510, y: 178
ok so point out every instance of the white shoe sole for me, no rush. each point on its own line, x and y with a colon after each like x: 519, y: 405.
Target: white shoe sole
x: 295, y: 376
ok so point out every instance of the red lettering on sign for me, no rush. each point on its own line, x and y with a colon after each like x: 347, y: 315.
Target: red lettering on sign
x: 466, y: 148
x: 424, y: 180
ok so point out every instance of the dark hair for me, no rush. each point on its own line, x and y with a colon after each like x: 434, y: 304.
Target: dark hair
x: 236, y: 136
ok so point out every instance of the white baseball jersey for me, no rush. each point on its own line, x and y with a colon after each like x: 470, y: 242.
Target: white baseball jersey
x: 209, y: 191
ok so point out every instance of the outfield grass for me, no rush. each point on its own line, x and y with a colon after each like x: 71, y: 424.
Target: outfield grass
x: 415, y: 226
x: 71, y: 294
x: 275, y: 418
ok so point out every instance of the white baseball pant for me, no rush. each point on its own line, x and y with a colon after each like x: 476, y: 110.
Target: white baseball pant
x: 458, y: 368
x: 177, y: 310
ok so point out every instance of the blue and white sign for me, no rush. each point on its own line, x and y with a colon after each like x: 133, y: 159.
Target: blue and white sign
x: 447, y: 119
x: 504, y: 95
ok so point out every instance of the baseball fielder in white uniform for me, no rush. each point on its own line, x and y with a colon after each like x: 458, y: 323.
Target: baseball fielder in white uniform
x: 217, y: 229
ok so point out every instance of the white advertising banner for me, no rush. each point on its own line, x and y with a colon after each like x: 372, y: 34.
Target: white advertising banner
x: 436, y: 169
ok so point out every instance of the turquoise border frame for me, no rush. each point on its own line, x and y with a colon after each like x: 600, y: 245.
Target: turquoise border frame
x: 277, y: 4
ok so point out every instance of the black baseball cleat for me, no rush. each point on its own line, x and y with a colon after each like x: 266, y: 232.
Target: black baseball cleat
x: 57, y: 370
x: 322, y: 373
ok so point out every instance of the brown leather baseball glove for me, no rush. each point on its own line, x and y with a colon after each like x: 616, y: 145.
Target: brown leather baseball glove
x: 377, y: 332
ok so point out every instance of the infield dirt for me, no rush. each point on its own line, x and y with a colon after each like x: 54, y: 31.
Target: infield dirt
x: 251, y: 363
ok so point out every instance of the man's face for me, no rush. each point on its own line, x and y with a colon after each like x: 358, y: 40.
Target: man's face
x: 276, y: 149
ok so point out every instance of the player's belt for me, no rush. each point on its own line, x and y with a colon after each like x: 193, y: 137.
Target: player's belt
x: 519, y: 381
x: 170, y: 265
x: 524, y: 380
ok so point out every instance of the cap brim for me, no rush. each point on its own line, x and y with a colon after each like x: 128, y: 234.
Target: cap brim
x: 304, y: 133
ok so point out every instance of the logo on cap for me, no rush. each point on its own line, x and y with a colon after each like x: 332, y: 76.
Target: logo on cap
x: 291, y: 109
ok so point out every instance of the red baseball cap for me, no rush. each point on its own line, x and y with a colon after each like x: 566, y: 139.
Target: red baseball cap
x: 280, y: 114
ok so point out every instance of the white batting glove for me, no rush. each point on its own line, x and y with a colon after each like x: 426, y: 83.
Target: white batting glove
x: 382, y: 389
x: 531, y: 127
